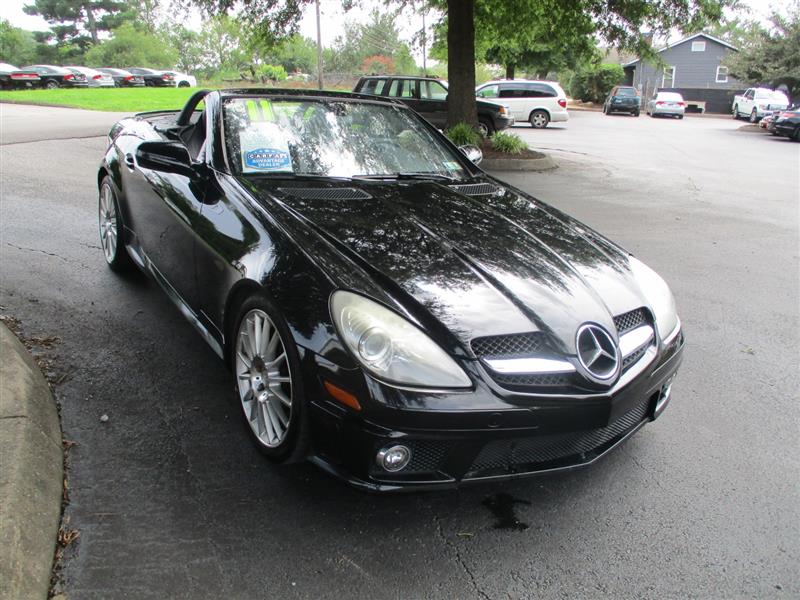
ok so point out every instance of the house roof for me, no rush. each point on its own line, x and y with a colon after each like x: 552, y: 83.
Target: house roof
x: 683, y: 41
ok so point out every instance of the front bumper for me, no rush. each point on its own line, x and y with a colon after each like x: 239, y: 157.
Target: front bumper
x: 501, y: 122
x: 482, y: 435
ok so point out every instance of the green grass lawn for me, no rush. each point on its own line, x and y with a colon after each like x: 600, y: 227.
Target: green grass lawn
x: 131, y: 100
x: 105, y: 99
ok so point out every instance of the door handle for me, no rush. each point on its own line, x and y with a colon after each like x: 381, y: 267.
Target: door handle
x: 129, y: 161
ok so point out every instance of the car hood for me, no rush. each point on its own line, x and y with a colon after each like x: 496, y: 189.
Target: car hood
x: 480, y: 265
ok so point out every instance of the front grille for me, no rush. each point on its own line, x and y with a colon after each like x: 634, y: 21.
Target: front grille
x: 507, y: 454
x: 630, y: 320
x: 476, y: 189
x: 515, y: 345
x: 333, y: 193
x: 547, y: 379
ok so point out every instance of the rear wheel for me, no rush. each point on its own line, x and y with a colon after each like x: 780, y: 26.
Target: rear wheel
x: 51, y: 84
x: 110, y: 222
x: 680, y: 116
x: 636, y: 114
x: 183, y: 84
x: 796, y: 134
x: 267, y: 370
x: 539, y: 119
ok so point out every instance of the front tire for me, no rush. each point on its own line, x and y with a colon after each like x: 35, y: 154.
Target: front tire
x: 266, y: 365
x: 485, y: 127
x: 183, y: 84
x: 111, y: 229
x: 539, y: 119
x: 636, y: 114
x: 754, y: 116
x: 735, y: 111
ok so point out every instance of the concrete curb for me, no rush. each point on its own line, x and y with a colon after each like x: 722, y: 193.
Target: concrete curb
x: 31, y: 473
x: 519, y: 164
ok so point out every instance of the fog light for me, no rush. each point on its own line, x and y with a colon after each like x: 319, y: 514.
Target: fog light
x: 393, y: 458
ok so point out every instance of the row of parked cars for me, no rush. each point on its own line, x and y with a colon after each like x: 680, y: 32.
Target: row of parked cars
x: 51, y: 77
x: 770, y: 109
x: 500, y: 103
x: 626, y: 99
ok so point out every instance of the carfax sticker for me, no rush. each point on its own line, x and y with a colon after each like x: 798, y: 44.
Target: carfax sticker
x: 268, y: 159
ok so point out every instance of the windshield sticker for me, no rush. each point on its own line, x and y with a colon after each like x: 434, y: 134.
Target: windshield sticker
x: 267, y: 159
x: 264, y: 147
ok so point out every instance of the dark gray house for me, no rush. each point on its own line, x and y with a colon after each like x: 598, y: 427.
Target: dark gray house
x: 694, y: 69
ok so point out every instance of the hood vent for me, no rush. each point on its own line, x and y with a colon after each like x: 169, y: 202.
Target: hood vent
x: 330, y: 193
x: 476, y: 189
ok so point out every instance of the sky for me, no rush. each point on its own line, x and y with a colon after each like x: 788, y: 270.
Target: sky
x: 332, y: 18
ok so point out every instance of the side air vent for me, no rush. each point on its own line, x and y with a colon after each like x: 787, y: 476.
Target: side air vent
x: 332, y: 193
x: 476, y: 189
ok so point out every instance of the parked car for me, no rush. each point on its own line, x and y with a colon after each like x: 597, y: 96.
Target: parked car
x: 428, y: 96
x: 537, y: 102
x: 623, y: 98
x: 787, y: 124
x: 755, y: 103
x: 389, y: 311
x: 94, y: 78
x: 12, y: 78
x: 666, y: 104
x: 152, y: 77
x: 123, y: 78
x: 182, y: 79
x: 53, y: 77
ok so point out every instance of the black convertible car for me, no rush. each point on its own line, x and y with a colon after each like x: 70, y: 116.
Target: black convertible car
x: 389, y: 311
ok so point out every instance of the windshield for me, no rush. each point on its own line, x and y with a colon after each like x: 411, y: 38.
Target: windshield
x: 626, y: 92
x: 331, y: 137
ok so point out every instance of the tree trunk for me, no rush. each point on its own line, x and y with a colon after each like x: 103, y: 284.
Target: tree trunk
x: 510, y: 68
x: 92, y: 24
x: 461, y: 106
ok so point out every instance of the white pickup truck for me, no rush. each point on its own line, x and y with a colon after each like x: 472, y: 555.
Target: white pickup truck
x: 756, y: 103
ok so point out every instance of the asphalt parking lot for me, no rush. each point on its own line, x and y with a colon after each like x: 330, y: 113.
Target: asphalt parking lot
x: 172, y: 501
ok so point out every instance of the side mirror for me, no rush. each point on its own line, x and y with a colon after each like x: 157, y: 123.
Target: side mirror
x: 166, y: 157
x: 473, y: 153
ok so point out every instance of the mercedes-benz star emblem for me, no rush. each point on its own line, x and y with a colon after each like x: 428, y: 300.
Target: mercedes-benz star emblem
x: 597, y: 351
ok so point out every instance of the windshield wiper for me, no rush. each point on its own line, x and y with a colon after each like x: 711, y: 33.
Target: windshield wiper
x: 312, y: 176
x: 408, y: 175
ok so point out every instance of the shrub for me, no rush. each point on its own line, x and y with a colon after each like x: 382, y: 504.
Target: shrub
x: 509, y: 143
x: 270, y: 73
x: 463, y: 134
x: 594, y: 82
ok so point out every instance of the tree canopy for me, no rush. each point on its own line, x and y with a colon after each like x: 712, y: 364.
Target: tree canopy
x: 771, y: 56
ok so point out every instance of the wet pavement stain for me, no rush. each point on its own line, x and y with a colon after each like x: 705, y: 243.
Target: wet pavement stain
x: 502, y: 507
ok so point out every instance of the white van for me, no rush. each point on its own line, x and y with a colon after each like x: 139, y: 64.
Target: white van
x: 538, y: 102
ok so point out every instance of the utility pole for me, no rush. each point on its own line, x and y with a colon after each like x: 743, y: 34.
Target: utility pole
x: 424, y: 44
x: 319, y: 50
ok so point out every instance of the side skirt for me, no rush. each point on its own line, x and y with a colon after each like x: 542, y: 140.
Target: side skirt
x: 142, y: 260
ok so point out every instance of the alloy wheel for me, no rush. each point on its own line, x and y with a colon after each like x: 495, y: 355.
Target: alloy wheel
x: 263, y: 378
x: 108, y: 223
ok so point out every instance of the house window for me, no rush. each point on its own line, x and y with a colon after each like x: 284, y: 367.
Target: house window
x: 722, y: 74
x: 698, y: 46
x: 668, y: 80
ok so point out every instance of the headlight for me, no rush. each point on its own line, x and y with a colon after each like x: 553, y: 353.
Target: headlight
x: 658, y: 295
x: 503, y: 110
x: 390, y: 347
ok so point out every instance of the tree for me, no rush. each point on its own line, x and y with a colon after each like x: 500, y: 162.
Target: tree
x: 70, y: 20
x: 295, y: 54
x: 130, y: 47
x: 772, y: 57
x: 379, y: 36
x: 17, y: 46
x: 619, y: 23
